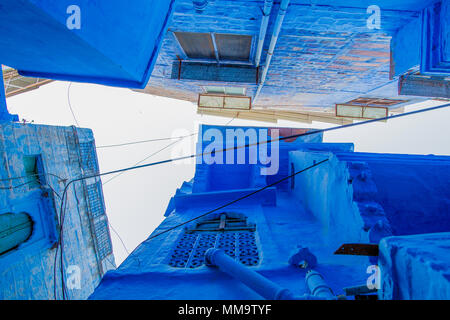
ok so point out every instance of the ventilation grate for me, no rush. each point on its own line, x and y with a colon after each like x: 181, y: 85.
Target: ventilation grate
x: 96, y: 207
x: 102, y: 237
x: 190, y: 249
x: 88, y: 158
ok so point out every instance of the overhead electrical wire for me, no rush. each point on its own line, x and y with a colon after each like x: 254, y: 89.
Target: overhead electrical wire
x: 120, y: 238
x: 234, y: 148
x: 195, y: 155
x: 237, y: 200
x: 16, y: 186
x: 34, y: 175
x: 62, y: 212
x: 146, y: 158
x: 144, y: 141
x: 152, y: 140
x: 60, y: 243
x: 70, y: 105
x: 156, y: 152
x: 314, y: 131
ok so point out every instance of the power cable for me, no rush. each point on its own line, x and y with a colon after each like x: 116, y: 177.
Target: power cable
x: 70, y: 105
x: 238, y: 199
x: 120, y: 238
x: 146, y: 158
x: 234, y: 148
x: 144, y: 141
x: 316, y: 131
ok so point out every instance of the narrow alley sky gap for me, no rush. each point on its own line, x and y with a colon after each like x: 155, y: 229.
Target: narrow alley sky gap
x: 136, y: 200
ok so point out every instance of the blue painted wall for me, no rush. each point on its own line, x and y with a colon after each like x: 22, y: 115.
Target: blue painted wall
x: 348, y: 199
x: 415, y: 267
x: 27, y: 272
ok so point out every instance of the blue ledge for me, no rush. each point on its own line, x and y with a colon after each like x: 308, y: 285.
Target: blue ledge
x: 205, y: 199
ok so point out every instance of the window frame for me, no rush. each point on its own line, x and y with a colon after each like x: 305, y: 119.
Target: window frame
x: 38, y: 171
x: 183, y: 56
x: 205, y: 90
x: 224, y: 98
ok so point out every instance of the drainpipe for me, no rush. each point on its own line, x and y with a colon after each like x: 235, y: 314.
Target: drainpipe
x: 263, y: 29
x: 261, y: 285
x: 276, y: 31
x: 317, y: 286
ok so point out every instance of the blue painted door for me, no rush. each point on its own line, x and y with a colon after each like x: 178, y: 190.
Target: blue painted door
x: 15, y: 228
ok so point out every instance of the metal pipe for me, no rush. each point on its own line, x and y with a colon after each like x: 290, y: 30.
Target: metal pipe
x: 317, y: 285
x: 276, y: 31
x: 263, y: 29
x: 261, y: 285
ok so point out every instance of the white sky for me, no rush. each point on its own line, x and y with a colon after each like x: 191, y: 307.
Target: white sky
x: 137, y: 200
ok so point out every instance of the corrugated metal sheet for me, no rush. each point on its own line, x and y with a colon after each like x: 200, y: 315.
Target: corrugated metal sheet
x: 196, y: 45
x: 233, y: 46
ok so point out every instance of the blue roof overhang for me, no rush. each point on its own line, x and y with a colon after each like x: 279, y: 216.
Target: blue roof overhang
x: 117, y: 42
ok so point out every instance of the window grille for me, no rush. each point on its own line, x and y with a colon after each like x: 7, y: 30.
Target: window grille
x: 88, y: 154
x: 102, y: 237
x: 96, y: 207
x: 233, y: 234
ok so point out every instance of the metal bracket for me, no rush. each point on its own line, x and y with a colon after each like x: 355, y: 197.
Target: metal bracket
x: 358, y: 249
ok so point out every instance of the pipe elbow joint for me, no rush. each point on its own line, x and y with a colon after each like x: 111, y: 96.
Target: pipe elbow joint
x: 210, y: 256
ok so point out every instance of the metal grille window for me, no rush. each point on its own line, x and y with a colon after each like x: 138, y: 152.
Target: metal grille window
x: 95, y: 200
x: 84, y: 153
x: 99, y: 219
x: 232, y: 234
x: 72, y: 151
x: 88, y: 157
x: 219, y: 46
x: 102, y: 236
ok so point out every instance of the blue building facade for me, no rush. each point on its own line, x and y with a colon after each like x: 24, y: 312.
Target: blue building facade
x: 37, y: 161
x: 317, y: 235
x: 304, y: 57
x: 290, y: 227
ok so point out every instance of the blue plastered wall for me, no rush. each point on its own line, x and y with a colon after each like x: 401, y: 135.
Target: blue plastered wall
x: 327, y: 194
x: 348, y: 199
x: 282, y: 224
x: 415, y: 267
x: 27, y: 272
x: 325, y: 53
x: 364, y: 197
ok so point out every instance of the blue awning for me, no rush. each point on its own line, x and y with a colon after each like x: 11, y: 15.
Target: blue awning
x: 106, y: 42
